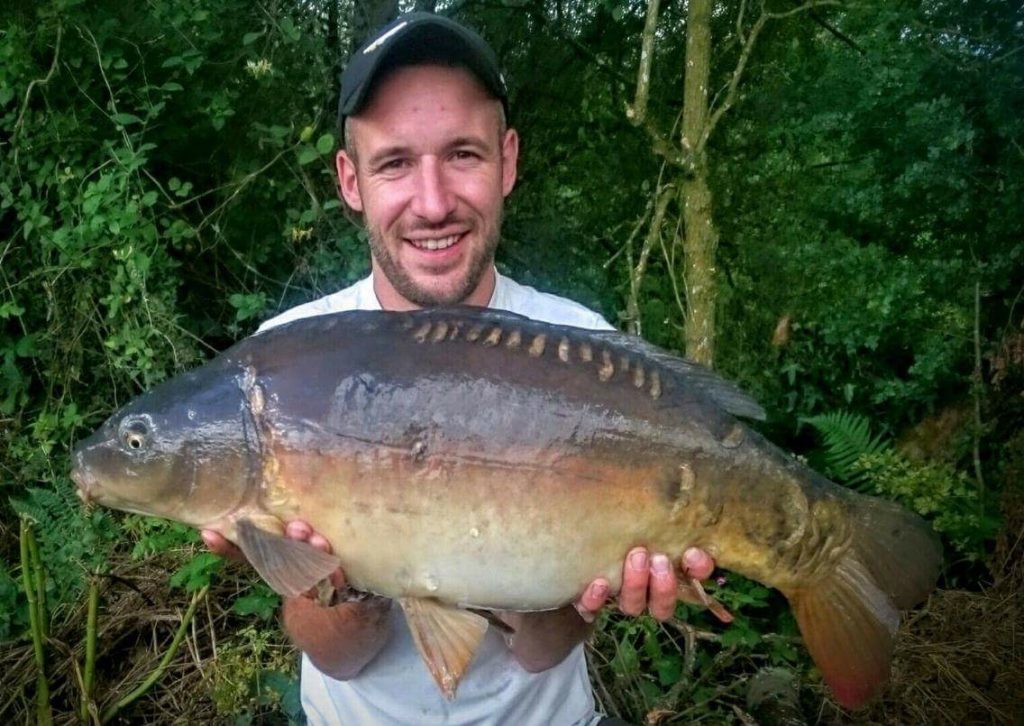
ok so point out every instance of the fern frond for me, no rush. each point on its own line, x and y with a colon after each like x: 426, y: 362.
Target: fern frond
x: 847, y: 437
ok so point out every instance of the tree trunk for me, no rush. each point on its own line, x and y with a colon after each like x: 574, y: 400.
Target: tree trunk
x: 700, y: 238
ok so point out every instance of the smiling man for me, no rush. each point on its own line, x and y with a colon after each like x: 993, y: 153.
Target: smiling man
x: 428, y: 162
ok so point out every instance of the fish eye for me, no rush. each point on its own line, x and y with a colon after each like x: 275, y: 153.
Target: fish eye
x: 134, y: 433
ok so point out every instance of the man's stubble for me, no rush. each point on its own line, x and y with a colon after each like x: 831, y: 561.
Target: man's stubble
x: 404, y: 284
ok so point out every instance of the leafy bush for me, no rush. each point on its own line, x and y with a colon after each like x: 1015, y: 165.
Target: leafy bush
x: 255, y: 672
x: 948, y: 498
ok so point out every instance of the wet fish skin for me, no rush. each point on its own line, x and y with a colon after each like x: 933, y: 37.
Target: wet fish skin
x: 479, y: 459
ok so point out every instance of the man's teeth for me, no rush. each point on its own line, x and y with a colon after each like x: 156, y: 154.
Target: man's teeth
x: 436, y: 244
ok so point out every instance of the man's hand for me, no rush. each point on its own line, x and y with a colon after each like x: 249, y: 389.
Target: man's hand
x: 648, y: 583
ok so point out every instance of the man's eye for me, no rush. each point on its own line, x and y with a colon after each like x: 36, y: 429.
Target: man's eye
x: 465, y: 155
x: 393, y: 165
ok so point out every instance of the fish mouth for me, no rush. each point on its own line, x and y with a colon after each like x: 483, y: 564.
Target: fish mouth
x: 84, y: 481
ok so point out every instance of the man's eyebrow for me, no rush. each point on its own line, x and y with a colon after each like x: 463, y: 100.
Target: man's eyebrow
x: 472, y: 141
x: 400, y: 150
x: 388, y: 152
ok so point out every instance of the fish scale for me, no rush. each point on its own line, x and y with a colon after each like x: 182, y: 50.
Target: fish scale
x: 466, y: 459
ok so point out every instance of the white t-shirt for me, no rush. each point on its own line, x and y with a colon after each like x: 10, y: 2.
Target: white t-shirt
x: 395, y: 688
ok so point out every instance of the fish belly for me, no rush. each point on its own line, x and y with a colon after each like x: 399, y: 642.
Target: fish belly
x: 480, y: 534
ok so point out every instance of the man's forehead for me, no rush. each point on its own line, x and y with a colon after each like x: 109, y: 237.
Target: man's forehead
x: 453, y: 78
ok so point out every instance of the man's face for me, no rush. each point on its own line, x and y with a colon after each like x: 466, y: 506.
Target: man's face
x: 430, y: 174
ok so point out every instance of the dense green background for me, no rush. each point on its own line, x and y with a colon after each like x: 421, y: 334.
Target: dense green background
x: 166, y: 183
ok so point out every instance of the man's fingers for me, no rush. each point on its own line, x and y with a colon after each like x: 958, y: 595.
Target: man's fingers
x: 592, y: 600
x: 698, y: 564
x: 298, y: 529
x: 662, y: 599
x: 635, y: 576
x: 218, y: 545
x: 320, y: 542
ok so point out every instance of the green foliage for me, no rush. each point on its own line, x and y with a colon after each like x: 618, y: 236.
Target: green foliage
x: 73, y: 542
x: 198, y: 572
x: 150, y: 535
x: 693, y: 666
x: 13, y: 613
x: 254, y: 672
x: 260, y: 601
x: 847, y: 438
x: 948, y: 498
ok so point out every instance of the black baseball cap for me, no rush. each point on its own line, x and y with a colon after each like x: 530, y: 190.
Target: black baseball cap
x: 412, y: 39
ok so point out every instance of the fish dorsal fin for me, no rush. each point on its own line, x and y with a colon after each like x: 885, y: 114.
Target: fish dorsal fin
x: 289, y: 566
x: 686, y: 373
x: 446, y: 636
x: 725, y: 393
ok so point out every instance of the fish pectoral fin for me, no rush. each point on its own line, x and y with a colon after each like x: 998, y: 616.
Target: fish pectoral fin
x: 289, y: 566
x: 689, y: 590
x: 446, y: 636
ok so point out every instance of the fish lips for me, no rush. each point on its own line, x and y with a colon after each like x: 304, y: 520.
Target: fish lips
x: 84, y: 479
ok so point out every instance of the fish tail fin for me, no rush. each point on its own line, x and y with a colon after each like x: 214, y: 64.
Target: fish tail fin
x: 849, y: 618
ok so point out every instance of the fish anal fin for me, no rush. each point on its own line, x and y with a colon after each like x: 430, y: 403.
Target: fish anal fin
x: 289, y: 566
x: 849, y: 625
x: 447, y: 638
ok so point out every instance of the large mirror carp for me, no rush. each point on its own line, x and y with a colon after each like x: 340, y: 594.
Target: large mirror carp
x: 466, y: 459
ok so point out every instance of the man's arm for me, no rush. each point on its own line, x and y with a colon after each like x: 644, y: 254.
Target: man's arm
x: 340, y: 640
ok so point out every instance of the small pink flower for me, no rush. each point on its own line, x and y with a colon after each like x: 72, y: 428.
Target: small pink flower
x: 721, y: 580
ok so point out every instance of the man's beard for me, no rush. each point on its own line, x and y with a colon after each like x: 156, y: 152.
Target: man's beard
x: 481, y: 260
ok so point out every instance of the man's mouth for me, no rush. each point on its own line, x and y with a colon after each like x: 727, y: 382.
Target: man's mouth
x: 435, y: 243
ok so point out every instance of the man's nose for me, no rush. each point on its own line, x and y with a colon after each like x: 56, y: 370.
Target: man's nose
x: 434, y: 200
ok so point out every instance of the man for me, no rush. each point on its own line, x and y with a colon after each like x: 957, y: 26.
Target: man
x: 428, y: 162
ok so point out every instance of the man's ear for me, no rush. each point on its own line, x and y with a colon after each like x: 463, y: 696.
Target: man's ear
x: 509, y: 159
x: 348, y: 183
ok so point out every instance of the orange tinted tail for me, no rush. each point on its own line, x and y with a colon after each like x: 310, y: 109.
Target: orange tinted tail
x: 849, y: 618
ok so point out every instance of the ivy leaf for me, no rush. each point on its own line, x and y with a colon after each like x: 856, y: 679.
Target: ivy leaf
x: 9, y: 309
x: 125, y: 119
x: 307, y: 155
x: 290, y: 31
x: 325, y: 144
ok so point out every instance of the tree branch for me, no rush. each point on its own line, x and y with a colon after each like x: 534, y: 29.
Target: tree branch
x: 663, y: 196
x: 37, y: 82
x: 637, y: 113
x: 748, y: 44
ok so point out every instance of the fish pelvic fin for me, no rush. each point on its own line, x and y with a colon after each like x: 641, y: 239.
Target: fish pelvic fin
x: 446, y: 636
x: 691, y: 591
x: 289, y: 566
x: 849, y: 617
